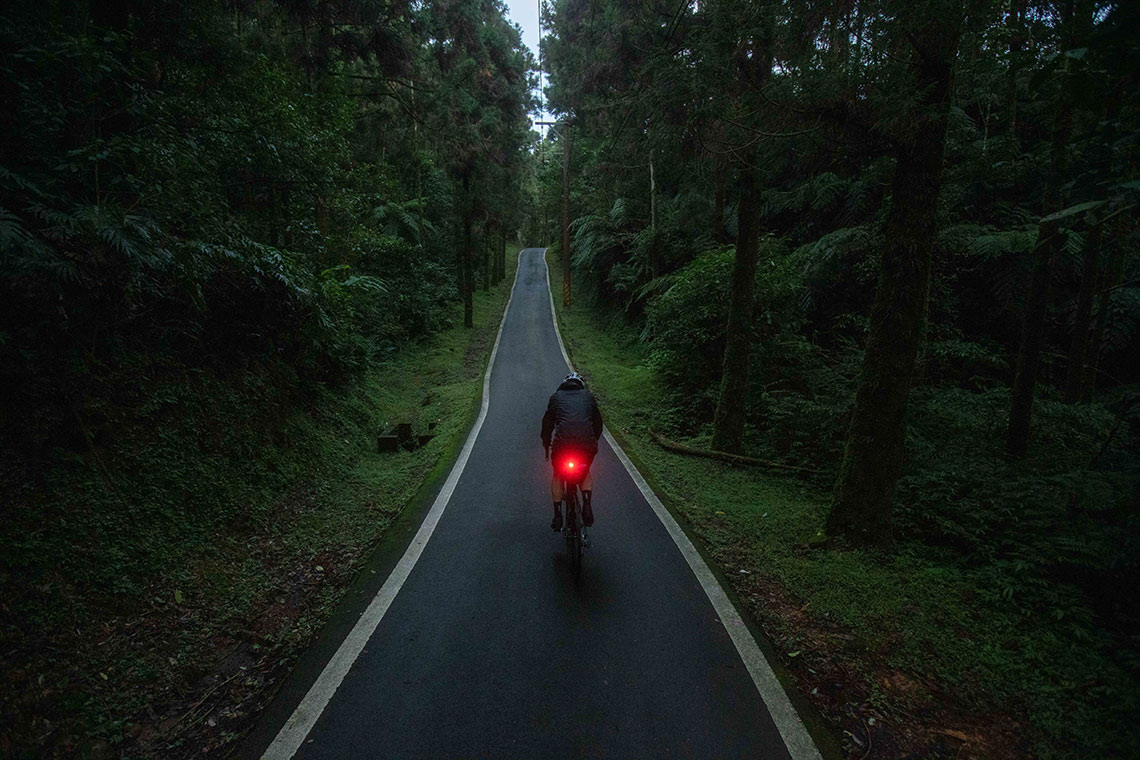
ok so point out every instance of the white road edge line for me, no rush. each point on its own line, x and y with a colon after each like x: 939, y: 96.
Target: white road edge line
x: 293, y: 733
x: 796, y: 738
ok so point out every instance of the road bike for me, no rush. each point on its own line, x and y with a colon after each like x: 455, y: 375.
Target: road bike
x: 577, y: 540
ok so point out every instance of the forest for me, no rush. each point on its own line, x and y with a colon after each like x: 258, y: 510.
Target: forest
x: 211, y: 215
x: 871, y: 267
x: 895, y: 245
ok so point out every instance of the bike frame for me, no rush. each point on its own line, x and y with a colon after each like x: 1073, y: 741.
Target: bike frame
x: 574, y: 531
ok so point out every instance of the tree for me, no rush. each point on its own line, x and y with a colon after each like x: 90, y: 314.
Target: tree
x: 1079, y: 346
x: 728, y: 423
x: 485, y: 93
x: 1049, y: 232
x: 873, y: 457
x: 746, y: 48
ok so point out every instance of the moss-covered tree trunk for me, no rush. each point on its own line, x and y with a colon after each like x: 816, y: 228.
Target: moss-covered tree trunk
x: 872, y: 460
x: 728, y: 422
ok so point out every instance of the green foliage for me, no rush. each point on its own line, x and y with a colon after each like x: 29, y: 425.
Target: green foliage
x: 1005, y: 591
x: 686, y: 325
x: 216, y: 221
x: 198, y: 188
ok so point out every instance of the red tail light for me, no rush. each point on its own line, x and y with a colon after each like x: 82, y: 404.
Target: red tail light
x: 571, y: 465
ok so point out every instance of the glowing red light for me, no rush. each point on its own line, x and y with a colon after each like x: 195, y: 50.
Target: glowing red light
x: 570, y: 465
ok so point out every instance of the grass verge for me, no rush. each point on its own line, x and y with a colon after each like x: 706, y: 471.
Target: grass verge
x: 904, y: 656
x: 155, y: 592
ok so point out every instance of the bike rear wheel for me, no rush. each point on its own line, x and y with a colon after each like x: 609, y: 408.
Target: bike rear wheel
x: 573, y: 532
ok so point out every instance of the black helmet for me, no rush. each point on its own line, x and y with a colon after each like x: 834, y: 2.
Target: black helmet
x: 574, y: 379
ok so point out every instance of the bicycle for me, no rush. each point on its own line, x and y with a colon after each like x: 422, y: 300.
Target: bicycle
x: 577, y: 540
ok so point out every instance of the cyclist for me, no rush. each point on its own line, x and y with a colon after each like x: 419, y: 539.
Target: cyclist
x: 572, y: 425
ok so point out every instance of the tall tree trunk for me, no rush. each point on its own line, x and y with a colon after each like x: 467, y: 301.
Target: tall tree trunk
x: 1037, y: 300
x: 652, y: 194
x: 322, y: 217
x: 872, y: 460
x: 656, y: 265
x: 493, y: 252
x: 728, y: 422
x: 468, y: 271
x: 1078, y: 348
x: 486, y: 246
x: 718, y: 232
x: 1016, y: 45
x: 503, y: 253
x: 460, y: 252
x: 1048, y: 241
x: 566, y: 215
x: 1104, y: 301
x: 494, y: 242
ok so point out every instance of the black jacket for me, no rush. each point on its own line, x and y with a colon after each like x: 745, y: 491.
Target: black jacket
x: 572, y: 417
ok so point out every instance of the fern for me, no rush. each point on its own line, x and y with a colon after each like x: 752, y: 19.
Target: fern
x: 405, y: 220
x: 864, y: 197
x: 1123, y: 324
x: 367, y: 283
x: 825, y: 251
x: 9, y: 180
x: 995, y: 244
x: 598, y: 238
x: 13, y: 234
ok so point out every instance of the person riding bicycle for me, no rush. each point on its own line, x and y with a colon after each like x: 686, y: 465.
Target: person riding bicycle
x: 571, y: 428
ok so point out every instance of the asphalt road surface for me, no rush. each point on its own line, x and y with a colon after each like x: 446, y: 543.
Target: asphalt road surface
x: 491, y: 650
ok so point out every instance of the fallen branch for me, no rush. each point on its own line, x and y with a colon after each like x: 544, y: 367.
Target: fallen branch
x: 198, y: 704
x: 681, y: 448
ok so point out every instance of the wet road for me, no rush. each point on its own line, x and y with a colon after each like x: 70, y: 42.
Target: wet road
x: 490, y: 650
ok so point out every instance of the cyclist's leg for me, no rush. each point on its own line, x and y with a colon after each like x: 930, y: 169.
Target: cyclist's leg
x: 588, y: 498
x: 556, y: 494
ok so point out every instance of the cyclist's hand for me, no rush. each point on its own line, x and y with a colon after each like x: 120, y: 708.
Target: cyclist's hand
x: 547, y: 453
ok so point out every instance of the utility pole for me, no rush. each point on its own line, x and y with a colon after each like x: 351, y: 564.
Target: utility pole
x: 565, y: 137
x: 566, y: 215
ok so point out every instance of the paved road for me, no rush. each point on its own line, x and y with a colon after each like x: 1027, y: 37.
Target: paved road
x: 490, y: 650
